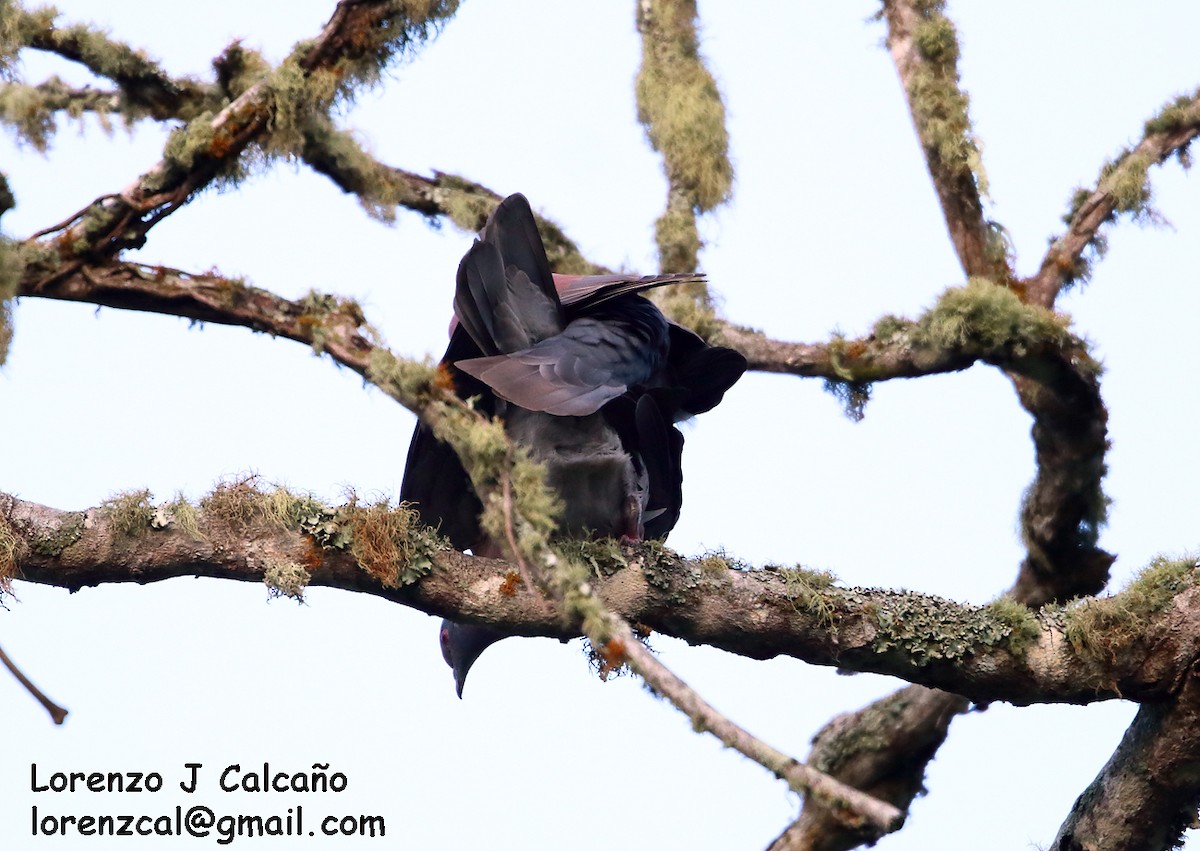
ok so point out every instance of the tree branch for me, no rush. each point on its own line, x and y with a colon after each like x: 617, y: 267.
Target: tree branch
x: 680, y: 107
x: 30, y: 110
x: 866, y: 813
x: 1123, y: 187
x: 330, y: 325
x: 1147, y: 794
x: 361, y: 36
x: 924, y: 46
x: 144, y: 83
x: 1137, y: 645
x: 338, y: 155
x: 883, y: 750
x: 57, y: 713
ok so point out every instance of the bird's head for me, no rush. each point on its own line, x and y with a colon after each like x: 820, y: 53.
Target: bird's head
x: 461, y: 645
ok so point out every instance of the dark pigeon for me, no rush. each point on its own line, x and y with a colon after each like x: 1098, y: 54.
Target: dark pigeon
x: 587, y: 374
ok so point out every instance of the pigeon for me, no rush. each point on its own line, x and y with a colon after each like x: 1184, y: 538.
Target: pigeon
x: 587, y: 375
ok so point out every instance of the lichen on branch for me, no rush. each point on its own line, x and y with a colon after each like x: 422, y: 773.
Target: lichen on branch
x: 680, y: 107
x: 924, y: 46
x: 1123, y: 187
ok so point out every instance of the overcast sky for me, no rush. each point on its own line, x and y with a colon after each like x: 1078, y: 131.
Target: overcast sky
x: 833, y: 223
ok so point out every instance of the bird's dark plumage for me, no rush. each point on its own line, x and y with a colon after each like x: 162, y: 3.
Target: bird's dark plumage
x: 587, y: 375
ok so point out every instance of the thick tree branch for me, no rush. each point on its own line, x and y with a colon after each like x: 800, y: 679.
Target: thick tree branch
x: 1147, y: 794
x: 1122, y: 188
x: 924, y: 46
x: 1065, y: 507
x: 883, y: 750
x: 1138, y: 645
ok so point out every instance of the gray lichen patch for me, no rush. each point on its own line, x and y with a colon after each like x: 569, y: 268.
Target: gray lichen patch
x: 870, y: 732
x: 927, y: 631
x: 52, y: 542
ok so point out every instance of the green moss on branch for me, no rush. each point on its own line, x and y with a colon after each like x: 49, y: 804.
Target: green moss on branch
x: 1096, y: 627
x: 680, y: 107
x: 130, y: 512
x: 940, y: 107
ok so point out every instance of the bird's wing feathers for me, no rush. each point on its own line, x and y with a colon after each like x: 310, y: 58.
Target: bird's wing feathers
x: 581, y: 292
x: 596, y: 358
x: 505, y: 295
x: 513, y: 230
x: 434, y: 478
x: 660, y: 450
x: 570, y: 374
x: 700, y: 373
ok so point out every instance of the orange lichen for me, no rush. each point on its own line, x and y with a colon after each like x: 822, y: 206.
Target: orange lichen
x: 611, y: 657
x: 508, y: 586
x: 313, y: 556
x: 222, y: 144
x: 443, y: 379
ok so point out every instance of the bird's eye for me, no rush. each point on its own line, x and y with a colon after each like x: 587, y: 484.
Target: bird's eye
x: 444, y: 638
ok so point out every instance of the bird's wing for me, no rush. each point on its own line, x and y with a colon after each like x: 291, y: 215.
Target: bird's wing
x: 660, y: 449
x: 595, y: 359
x: 696, y: 373
x: 434, y: 478
x: 582, y: 292
x: 513, y: 230
x: 504, y: 295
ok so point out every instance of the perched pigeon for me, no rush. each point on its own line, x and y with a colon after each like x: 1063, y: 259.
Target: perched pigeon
x: 587, y: 375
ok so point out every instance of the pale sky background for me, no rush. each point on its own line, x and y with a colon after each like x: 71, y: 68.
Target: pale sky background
x: 833, y: 223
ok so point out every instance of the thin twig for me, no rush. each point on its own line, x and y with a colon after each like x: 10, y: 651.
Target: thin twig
x: 57, y: 713
x: 509, y: 532
x: 854, y: 805
x: 1177, y: 127
x: 68, y: 221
